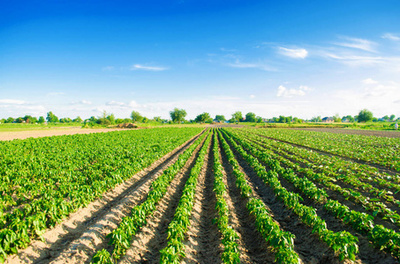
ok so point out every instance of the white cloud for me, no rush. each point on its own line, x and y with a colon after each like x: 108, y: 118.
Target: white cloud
x: 12, y: 102
x: 356, y: 60
x: 369, y: 81
x: 115, y: 103
x: 252, y: 96
x: 293, y: 53
x: 147, y: 68
x: 242, y: 65
x: 133, y: 104
x: 358, y: 43
x: 288, y: 93
x: 391, y: 36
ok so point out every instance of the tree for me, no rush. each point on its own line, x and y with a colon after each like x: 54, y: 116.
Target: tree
x: 237, y: 116
x: 316, y: 119
x: 19, y: 120
x: 111, y: 118
x: 220, y: 118
x: 259, y: 119
x: 250, y: 117
x: 202, y: 117
x: 10, y: 120
x: 51, y: 118
x: 386, y: 118
x: 348, y: 118
x: 178, y: 115
x: 364, y: 116
x: 41, y: 120
x: 136, y: 116
x: 78, y: 120
x: 157, y: 119
x: 337, y: 118
x: 392, y: 117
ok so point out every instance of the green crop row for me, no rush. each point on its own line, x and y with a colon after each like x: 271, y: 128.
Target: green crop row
x: 231, y: 252
x: 281, y: 241
x: 343, y: 243
x: 45, y: 179
x: 177, y: 229
x: 122, y: 236
x: 379, y: 150
x: 387, y: 239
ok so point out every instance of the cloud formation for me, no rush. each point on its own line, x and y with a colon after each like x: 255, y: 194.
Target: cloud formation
x: 147, y: 68
x: 391, y: 36
x: 288, y: 93
x: 12, y: 101
x: 243, y: 65
x: 294, y: 53
x: 357, y: 43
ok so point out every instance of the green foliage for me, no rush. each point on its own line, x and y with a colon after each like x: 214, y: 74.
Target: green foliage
x: 251, y: 117
x: 364, y: 116
x: 220, y: 118
x: 51, y: 118
x: 136, y: 116
x: 237, y: 116
x: 202, y: 118
x: 178, y: 115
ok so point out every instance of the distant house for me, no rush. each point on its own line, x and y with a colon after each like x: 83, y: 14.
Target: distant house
x: 328, y: 120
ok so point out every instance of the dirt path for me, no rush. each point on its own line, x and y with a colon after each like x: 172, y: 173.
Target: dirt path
x: 252, y: 247
x: 148, y: 242
x: 76, y: 239
x: 52, y: 132
x: 204, y: 241
x: 378, y: 133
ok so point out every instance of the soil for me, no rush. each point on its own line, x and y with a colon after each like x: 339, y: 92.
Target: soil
x: 52, y: 132
x: 77, y: 238
x: 378, y: 133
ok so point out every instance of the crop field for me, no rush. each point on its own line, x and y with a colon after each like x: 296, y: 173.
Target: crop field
x: 201, y: 195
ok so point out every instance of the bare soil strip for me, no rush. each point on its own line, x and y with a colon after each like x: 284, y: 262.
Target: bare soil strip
x: 204, y: 241
x: 253, y: 248
x: 309, y: 247
x: 52, y: 132
x: 377, y: 166
x: 148, y: 242
x: 304, y: 236
x: 78, y: 237
x: 378, y: 133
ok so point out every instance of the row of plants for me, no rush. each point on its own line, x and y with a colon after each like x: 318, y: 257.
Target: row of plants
x: 330, y: 180
x: 343, y: 243
x: 178, y: 227
x: 361, y: 222
x: 231, y: 252
x: 281, y: 241
x: 379, y: 150
x: 45, y: 179
x: 121, y: 237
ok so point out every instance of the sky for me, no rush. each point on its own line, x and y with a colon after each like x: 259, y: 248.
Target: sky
x: 301, y: 58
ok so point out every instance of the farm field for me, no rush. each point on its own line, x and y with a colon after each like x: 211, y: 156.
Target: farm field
x: 201, y: 195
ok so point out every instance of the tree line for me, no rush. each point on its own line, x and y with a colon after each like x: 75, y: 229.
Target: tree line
x: 178, y: 116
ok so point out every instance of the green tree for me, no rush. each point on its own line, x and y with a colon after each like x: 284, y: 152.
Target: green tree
x: 392, y: 117
x: 136, y: 116
x: 202, y: 117
x: 250, y: 117
x: 348, y: 118
x: 316, y: 119
x: 337, y: 118
x: 41, y: 120
x: 237, y: 116
x: 111, y: 118
x: 78, y: 120
x: 10, y: 120
x: 177, y: 115
x: 364, y: 116
x: 19, y: 120
x: 157, y: 119
x: 220, y: 118
x: 51, y: 118
x: 259, y: 119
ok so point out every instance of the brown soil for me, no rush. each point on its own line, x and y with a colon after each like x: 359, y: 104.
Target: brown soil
x: 204, y: 241
x: 252, y: 247
x: 309, y: 247
x: 368, y: 254
x: 378, y: 133
x: 52, y: 132
x: 78, y: 238
x: 148, y: 242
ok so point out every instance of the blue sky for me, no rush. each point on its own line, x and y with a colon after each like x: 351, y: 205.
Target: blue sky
x: 299, y: 58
